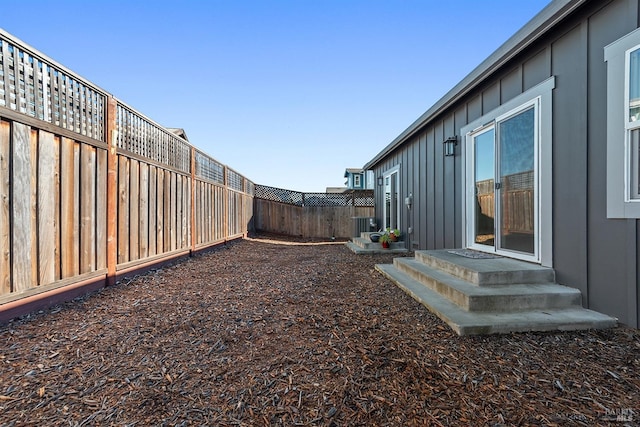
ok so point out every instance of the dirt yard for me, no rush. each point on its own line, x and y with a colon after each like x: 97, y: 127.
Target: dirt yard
x: 262, y: 333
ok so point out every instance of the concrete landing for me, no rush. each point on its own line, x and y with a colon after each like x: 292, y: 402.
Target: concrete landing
x: 364, y: 245
x: 374, y: 249
x: 489, y: 304
x: 486, y: 271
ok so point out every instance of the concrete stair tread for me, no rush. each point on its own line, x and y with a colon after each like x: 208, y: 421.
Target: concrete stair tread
x: 473, y: 323
x: 360, y: 241
x: 374, y: 248
x: 498, y: 270
x: 472, y: 289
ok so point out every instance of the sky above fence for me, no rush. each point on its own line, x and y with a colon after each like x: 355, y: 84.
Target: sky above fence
x: 289, y: 93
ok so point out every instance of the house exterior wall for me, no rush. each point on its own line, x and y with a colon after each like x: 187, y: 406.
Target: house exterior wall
x: 349, y: 182
x: 361, y: 185
x: 597, y: 255
x: 369, y: 180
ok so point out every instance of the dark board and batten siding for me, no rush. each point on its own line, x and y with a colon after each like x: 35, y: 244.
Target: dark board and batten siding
x: 613, y: 246
x: 597, y: 255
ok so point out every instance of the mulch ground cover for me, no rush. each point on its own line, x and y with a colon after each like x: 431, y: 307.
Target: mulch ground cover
x: 260, y: 333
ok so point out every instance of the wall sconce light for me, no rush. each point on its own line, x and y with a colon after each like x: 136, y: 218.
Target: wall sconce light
x: 380, y: 181
x: 450, y: 146
x: 409, y: 201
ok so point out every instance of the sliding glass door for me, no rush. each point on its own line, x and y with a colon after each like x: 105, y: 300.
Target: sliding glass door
x: 502, y: 205
x: 391, y: 199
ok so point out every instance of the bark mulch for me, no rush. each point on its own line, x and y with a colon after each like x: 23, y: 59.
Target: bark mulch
x: 264, y: 333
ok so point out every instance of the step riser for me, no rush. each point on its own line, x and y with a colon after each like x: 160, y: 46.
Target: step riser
x: 448, y: 292
x: 367, y: 244
x: 479, y: 323
x: 503, y: 304
x: 371, y: 249
x: 538, y: 327
x: 361, y: 243
x: 488, y: 278
x: 491, y: 303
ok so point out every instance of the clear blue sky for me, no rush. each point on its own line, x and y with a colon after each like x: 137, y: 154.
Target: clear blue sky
x: 286, y: 92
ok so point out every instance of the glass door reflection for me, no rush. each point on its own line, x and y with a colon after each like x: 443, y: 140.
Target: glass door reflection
x: 517, y: 177
x: 484, y: 183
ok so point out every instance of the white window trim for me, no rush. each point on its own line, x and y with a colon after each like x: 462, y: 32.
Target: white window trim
x: 541, y: 93
x: 627, y: 79
x: 357, y: 180
x: 469, y: 233
x: 631, y: 191
x: 387, y: 174
x: 620, y: 204
x: 632, y: 158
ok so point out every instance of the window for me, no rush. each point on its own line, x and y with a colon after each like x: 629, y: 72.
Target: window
x: 623, y: 126
x: 356, y: 181
x: 632, y: 80
x: 634, y: 136
x: 633, y: 100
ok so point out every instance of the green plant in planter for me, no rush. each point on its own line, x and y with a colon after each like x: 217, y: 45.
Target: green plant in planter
x: 394, y: 234
x: 385, y: 240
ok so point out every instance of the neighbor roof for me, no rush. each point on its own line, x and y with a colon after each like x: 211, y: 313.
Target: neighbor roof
x: 179, y: 132
x: 352, y: 170
x: 532, y: 30
x: 336, y: 189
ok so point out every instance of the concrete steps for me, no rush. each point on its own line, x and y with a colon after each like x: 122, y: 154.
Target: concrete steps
x: 486, y: 271
x: 489, y: 298
x: 497, y: 295
x: 363, y: 244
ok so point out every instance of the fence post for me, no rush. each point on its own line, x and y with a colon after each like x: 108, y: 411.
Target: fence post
x: 243, y: 215
x: 193, y: 200
x: 111, y: 135
x: 225, y: 205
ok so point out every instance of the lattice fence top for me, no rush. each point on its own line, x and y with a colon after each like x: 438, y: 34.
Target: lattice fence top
x: 516, y: 181
x: 251, y: 188
x: 364, y: 198
x: 35, y: 86
x: 209, y: 169
x: 519, y: 181
x: 279, y: 195
x: 235, y: 180
x: 141, y: 136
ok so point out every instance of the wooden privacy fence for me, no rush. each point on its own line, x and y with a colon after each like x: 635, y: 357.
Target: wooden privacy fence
x: 91, y: 189
x: 310, y: 215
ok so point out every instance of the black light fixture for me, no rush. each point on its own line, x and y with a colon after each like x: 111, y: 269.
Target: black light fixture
x: 380, y: 181
x: 450, y: 146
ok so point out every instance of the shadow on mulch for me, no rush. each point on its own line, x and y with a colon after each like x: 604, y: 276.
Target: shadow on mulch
x: 255, y: 333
